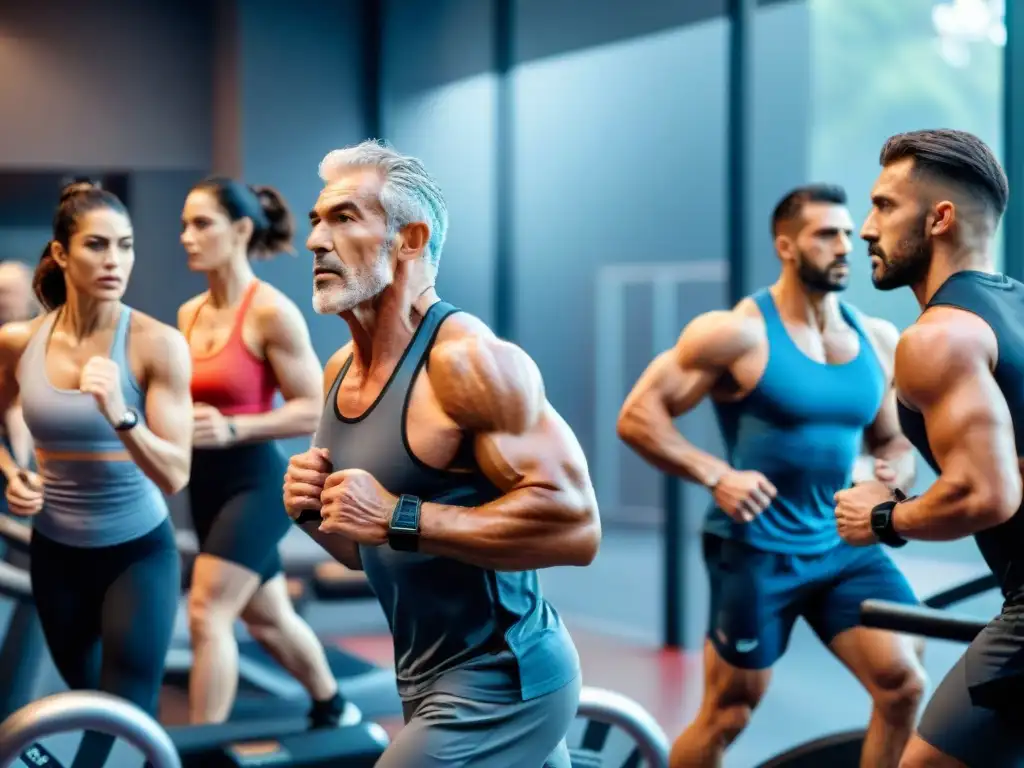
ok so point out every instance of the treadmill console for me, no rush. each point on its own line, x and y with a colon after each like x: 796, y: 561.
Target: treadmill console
x: 248, y: 754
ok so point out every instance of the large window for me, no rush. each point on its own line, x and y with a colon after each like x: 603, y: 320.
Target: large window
x: 885, y: 66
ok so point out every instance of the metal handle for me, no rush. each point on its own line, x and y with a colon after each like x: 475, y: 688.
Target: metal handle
x: 15, y: 583
x: 622, y: 712
x: 86, y: 710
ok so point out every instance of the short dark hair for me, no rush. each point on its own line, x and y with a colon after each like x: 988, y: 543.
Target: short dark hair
x: 76, y: 199
x: 792, y: 205
x: 272, y: 224
x: 956, y: 157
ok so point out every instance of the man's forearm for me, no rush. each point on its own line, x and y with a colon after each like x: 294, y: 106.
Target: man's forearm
x: 345, y: 551
x: 942, y: 513
x: 659, y: 443
x: 523, y: 530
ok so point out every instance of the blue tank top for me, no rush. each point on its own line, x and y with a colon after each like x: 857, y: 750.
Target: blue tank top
x: 457, y: 628
x: 802, y: 427
x: 86, y: 503
x: 999, y: 301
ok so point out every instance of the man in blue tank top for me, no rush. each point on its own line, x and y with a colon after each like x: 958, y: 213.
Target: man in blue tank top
x: 440, y: 469
x: 960, y: 384
x: 800, y: 383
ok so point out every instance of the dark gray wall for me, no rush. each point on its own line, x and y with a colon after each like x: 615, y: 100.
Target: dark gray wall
x: 438, y: 102
x: 161, y: 281
x: 619, y: 164
x: 123, y: 84
x: 781, y: 124
x: 618, y: 160
x: 300, y: 97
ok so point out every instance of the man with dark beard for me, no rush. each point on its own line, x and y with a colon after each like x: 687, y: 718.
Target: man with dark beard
x: 440, y: 469
x: 800, y: 383
x: 960, y: 383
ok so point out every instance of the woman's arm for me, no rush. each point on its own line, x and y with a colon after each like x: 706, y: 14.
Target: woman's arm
x: 295, y: 364
x: 14, y: 337
x: 162, y: 447
x: 18, y: 437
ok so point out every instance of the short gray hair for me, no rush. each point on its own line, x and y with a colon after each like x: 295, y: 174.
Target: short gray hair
x: 409, y: 193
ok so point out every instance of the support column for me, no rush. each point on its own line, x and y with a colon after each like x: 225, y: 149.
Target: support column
x: 1013, y: 140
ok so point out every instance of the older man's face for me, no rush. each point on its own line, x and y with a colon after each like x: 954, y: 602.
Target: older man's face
x: 350, y: 244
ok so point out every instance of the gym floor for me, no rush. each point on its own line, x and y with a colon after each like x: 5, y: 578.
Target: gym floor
x: 613, y: 609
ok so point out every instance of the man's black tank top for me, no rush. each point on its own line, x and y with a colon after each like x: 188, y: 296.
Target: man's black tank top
x: 999, y: 301
x: 448, y: 618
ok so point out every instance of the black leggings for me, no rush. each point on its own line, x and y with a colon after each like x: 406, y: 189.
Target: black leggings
x: 108, y: 614
x: 237, y: 508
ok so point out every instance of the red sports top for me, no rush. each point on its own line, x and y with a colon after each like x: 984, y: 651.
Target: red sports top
x: 232, y: 379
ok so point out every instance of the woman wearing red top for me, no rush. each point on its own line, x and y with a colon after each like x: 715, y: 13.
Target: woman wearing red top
x: 248, y: 340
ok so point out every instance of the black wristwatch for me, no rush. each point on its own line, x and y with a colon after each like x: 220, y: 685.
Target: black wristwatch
x: 881, y: 522
x: 404, y: 529
x: 309, y: 516
x: 129, y: 420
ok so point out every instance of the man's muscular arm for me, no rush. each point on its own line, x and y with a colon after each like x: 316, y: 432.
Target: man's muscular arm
x: 883, y: 439
x: 944, y: 369
x: 675, y: 383
x: 547, y: 515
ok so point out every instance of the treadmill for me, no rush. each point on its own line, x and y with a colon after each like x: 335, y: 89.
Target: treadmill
x: 281, y: 742
x: 265, y: 689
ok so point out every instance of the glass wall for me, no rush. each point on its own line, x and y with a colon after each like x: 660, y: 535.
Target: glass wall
x: 884, y: 66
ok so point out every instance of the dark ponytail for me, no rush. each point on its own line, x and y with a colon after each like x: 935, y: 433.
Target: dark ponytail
x: 48, y: 281
x: 280, y: 229
x: 272, y: 224
x: 76, y: 200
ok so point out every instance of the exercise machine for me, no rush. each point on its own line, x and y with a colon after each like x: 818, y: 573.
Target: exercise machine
x: 282, y: 741
x: 613, y: 731
x: 265, y: 689
x: 842, y: 750
x: 77, y: 710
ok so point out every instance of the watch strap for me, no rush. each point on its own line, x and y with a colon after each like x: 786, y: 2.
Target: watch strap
x: 882, y: 526
x: 404, y: 528
x: 309, y: 516
x: 129, y: 420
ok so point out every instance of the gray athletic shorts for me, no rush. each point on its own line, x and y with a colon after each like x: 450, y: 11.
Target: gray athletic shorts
x: 454, y: 732
x: 976, y: 714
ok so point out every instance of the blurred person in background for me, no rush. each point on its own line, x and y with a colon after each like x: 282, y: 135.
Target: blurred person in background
x: 17, y: 304
x: 248, y: 341
x: 801, y: 382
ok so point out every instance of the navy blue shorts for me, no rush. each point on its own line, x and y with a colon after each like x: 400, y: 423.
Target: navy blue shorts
x: 756, y: 596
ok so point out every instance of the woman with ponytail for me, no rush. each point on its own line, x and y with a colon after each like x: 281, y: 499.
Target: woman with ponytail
x: 248, y: 341
x: 105, y: 394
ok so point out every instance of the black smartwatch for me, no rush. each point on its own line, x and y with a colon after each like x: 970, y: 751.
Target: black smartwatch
x: 309, y: 516
x: 404, y: 529
x: 129, y: 420
x: 881, y: 523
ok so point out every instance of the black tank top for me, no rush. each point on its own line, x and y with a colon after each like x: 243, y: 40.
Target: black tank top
x: 999, y: 301
x: 444, y: 614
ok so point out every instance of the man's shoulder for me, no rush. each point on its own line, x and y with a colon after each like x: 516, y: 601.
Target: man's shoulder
x: 334, y: 365
x: 723, y: 335
x: 462, y: 325
x: 942, y: 345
